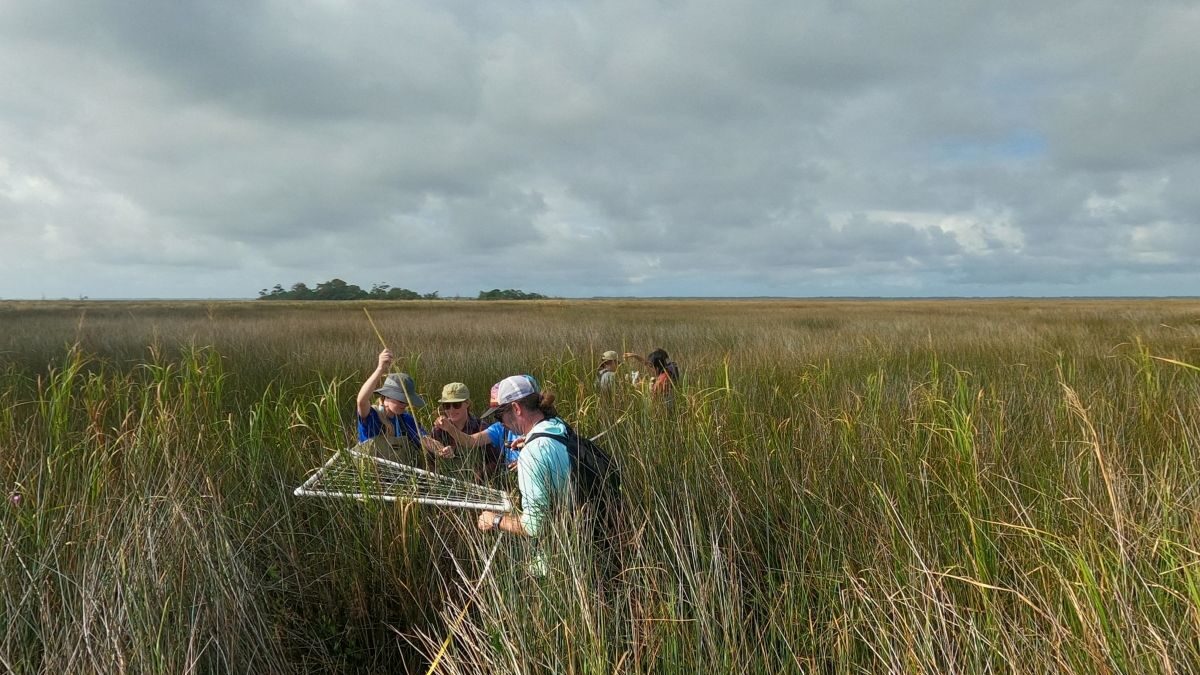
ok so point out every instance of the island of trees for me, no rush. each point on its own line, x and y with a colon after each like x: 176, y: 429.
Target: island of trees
x: 336, y: 289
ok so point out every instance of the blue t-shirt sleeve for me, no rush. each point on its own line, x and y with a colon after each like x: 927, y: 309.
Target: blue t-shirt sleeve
x: 502, y: 438
x: 370, y: 426
x: 496, y: 435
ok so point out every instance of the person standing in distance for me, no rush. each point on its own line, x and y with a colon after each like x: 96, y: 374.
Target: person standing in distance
x: 606, y: 378
x: 666, y: 373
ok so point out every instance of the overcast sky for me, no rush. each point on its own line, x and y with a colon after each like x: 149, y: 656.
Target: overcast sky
x: 641, y: 148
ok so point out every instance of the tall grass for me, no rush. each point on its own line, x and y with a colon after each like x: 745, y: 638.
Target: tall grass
x: 843, y: 487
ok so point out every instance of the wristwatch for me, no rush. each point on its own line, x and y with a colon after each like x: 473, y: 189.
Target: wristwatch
x: 496, y: 521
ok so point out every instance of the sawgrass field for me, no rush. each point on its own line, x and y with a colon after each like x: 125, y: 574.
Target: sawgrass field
x: 971, y: 486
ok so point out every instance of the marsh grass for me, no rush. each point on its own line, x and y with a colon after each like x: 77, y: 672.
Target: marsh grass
x: 841, y: 487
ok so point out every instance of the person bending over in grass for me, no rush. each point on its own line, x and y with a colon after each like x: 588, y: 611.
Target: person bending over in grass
x: 457, y: 428
x: 391, y: 418
x: 544, y: 467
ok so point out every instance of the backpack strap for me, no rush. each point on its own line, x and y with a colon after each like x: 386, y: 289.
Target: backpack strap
x: 558, y: 437
x: 561, y: 438
x: 566, y: 443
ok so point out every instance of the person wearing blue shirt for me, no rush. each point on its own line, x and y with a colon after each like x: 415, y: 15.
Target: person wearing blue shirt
x: 391, y: 418
x: 456, y: 428
x: 504, y: 444
x: 543, y: 467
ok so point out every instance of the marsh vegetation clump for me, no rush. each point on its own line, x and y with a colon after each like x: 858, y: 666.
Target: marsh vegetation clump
x: 840, y: 486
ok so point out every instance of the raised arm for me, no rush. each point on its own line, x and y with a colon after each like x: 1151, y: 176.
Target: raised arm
x: 368, y: 387
x: 638, y: 359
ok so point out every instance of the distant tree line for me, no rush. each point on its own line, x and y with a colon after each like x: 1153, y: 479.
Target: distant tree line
x: 336, y: 289
x: 510, y: 294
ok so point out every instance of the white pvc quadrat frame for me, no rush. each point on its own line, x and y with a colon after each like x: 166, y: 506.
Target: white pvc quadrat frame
x: 357, y: 474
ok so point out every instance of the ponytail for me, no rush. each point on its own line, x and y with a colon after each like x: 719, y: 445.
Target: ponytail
x: 543, y: 401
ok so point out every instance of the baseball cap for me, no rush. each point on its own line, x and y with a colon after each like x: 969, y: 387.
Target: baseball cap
x: 609, y: 355
x: 454, y: 392
x: 511, y: 388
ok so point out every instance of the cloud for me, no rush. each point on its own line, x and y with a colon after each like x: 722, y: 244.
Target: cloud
x: 610, y: 148
x: 1140, y: 112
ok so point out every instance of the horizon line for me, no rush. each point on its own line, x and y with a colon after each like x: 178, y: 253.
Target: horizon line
x: 622, y: 297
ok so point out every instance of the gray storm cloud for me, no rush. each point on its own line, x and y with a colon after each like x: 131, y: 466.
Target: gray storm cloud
x: 613, y: 148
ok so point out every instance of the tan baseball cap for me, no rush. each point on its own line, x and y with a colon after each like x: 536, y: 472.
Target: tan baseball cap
x: 609, y: 355
x: 454, y: 392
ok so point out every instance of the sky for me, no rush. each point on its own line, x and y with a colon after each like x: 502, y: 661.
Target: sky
x: 903, y: 148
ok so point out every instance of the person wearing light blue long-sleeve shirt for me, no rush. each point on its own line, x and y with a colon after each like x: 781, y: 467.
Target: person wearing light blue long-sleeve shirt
x: 544, y: 467
x: 543, y: 475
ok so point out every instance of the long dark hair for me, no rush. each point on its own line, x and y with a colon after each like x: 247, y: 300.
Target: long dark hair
x: 658, y: 359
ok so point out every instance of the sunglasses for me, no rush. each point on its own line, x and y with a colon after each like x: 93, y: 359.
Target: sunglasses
x: 451, y: 406
x: 500, y: 412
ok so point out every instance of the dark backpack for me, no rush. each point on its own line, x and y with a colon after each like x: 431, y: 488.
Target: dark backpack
x: 596, y: 478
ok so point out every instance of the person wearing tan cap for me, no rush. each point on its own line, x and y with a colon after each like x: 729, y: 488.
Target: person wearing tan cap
x: 457, y: 428
x: 606, y: 379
